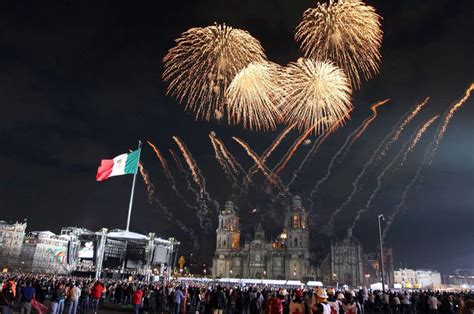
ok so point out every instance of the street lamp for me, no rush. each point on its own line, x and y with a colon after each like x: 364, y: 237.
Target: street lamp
x: 381, y: 217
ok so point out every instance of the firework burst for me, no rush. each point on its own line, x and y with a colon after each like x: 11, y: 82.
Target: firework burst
x: 317, y: 95
x: 347, y: 32
x: 253, y: 95
x: 203, y: 63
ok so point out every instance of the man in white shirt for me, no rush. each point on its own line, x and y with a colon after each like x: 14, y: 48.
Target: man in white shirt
x: 433, y: 304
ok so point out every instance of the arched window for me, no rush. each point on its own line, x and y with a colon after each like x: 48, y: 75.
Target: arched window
x: 296, y: 242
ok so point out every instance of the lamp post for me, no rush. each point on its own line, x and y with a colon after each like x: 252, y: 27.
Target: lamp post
x: 381, y: 217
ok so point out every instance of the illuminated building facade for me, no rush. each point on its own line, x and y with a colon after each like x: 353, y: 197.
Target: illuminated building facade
x: 286, y: 258
x: 44, y: 252
x: 409, y: 278
x: 11, y: 240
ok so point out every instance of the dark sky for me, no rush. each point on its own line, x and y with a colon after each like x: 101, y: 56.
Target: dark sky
x: 81, y: 81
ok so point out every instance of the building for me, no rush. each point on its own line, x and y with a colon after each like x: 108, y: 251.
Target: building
x: 409, y: 278
x: 461, y: 277
x: 348, y: 264
x: 44, y: 252
x: 11, y: 240
x: 286, y: 258
x: 344, y: 264
x: 405, y: 277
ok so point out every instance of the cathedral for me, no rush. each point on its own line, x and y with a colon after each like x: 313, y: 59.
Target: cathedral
x: 288, y: 257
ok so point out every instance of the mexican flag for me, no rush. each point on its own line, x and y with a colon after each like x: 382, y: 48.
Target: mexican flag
x: 120, y: 165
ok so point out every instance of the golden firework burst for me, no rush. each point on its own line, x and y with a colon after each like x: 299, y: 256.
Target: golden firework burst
x: 204, y: 61
x: 317, y: 95
x: 252, y: 97
x: 347, y: 32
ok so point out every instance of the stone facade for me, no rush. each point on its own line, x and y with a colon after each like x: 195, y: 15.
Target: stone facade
x: 11, y: 240
x: 286, y: 258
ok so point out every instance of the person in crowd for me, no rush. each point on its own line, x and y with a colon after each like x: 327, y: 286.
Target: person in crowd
x: 74, y: 295
x: 322, y: 304
x: 351, y: 306
x: 433, y: 304
x: 57, y: 299
x: 296, y: 302
x: 468, y: 307
x: 178, y: 298
x: 137, y: 297
x: 27, y: 295
x: 96, y: 294
x: 84, y: 298
x: 7, y: 298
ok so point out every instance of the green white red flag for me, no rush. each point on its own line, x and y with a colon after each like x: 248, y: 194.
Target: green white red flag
x: 120, y: 165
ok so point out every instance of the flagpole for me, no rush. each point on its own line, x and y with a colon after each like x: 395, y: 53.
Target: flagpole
x: 133, y: 188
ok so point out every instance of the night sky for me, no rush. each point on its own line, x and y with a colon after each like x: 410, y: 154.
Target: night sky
x: 80, y: 81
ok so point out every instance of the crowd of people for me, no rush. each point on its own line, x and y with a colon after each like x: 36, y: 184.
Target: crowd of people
x: 67, y: 294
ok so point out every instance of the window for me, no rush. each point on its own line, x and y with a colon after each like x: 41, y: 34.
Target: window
x: 296, y: 241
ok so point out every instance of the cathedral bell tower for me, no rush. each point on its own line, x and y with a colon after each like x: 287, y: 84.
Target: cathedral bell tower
x: 228, y: 233
x: 297, y: 241
x: 226, y: 262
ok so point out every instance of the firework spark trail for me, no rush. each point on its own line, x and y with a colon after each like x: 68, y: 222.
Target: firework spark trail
x: 162, y: 160
x: 267, y: 172
x: 191, y: 163
x: 368, y: 120
x: 388, y: 140
x: 253, y: 170
x: 236, y: 166
x: 284, y: 161
x: 406, y: 119
x: 176, y: 160
x: 447, y: 118
x: 406, y: 191
x: 186, y: 176
x: 428, y: 157
x: 225, y: 166
x: 418, y: 136
x: 196, y: 172
x: 200, y: 181
x: 169, y: 175
x: 185, y: 173
x: 314, y: 149
x: 150, y: 188
x: 329, y: 170
x: 407, y: 147
x: 345, y: 148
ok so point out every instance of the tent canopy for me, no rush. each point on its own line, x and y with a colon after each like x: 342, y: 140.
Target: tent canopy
x: 126, y: 235
x: 314, y: 284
